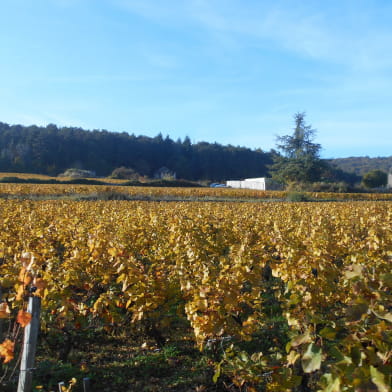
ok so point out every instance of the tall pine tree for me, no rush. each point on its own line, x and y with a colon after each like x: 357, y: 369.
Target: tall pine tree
x: 300, y: 162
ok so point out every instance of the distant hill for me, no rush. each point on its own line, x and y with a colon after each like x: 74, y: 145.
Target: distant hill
x: 362, y: 165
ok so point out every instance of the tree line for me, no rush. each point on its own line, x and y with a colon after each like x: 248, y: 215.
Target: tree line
x: 52, y: 150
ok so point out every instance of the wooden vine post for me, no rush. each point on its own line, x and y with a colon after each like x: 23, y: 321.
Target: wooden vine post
x: 29, y: 346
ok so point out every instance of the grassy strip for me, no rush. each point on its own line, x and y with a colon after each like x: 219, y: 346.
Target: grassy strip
x: 122, y: 364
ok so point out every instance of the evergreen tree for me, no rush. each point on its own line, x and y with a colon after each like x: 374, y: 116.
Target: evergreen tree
x: 300, y: 162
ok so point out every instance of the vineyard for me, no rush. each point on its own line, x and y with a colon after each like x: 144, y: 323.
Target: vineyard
x: 160, y: 193
x: 276, y: 296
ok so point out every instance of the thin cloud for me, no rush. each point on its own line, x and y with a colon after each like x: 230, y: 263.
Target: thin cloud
x: 344, y: 34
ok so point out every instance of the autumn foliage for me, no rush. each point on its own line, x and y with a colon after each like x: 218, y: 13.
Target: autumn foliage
x: 316, y: 275
x: 7, y: 350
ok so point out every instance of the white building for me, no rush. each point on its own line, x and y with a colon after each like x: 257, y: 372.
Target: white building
x: 389, y: 185
x: 261, y: 184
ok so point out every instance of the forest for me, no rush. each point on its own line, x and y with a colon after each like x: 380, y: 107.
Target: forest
x: 52, y: 150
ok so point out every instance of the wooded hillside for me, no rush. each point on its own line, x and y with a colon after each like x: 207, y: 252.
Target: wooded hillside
x: 51, y: 150
x: 363, y: 165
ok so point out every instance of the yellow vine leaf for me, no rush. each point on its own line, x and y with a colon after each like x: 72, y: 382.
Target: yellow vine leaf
x: 7, y: 350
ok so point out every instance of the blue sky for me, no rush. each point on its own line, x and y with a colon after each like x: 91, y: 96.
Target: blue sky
x: 230, y: 71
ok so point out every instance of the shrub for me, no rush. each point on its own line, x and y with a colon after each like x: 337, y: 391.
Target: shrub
x: 337, y: 187
x: 78, y: 173
x: 297, y: 197
x: 375, y: 179
x: 124, y: 173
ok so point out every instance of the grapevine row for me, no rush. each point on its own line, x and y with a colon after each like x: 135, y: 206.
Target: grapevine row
x: 317, y: 274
